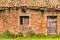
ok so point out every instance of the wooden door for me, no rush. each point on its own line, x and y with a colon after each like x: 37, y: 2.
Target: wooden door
x: 51, y: 24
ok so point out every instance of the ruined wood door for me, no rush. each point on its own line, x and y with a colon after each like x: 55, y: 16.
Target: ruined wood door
x: 51, y: 24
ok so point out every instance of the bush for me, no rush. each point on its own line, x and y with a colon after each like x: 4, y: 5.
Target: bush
x: 7, y: 34
x: 41, y: 35
x: 53, y: 36
x: 31, y: 34
x: 20, y: 34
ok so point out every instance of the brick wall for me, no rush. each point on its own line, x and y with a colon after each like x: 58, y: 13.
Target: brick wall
x: 37, y: 22
x: 12, y: 23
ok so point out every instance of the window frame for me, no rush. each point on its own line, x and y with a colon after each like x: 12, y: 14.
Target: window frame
x: 24, y: 15
x: 22, y: 20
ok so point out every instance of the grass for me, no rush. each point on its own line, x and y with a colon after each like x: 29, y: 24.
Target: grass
x: 30, y: 36
x: 30, y: 39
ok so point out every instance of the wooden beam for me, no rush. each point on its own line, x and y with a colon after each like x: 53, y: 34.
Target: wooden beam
x: 33, y: 8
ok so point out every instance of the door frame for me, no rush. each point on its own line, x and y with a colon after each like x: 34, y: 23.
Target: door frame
x: 56, y: 23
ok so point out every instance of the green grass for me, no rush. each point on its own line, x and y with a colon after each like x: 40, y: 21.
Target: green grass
x: 30, y: 39
x: 7, y: 35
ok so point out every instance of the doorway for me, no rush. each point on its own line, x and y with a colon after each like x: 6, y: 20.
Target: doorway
x: 51, y: 25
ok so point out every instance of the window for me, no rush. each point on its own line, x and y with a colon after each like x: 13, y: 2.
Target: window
x: 24, y: 20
